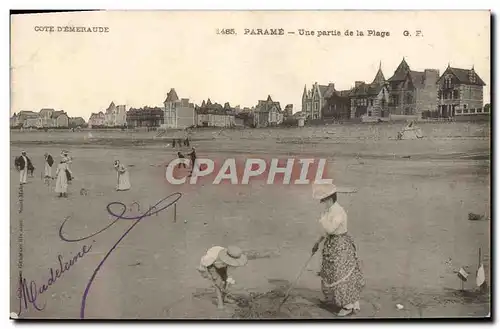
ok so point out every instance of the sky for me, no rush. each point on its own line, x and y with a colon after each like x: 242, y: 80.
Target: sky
x: 146, y: 53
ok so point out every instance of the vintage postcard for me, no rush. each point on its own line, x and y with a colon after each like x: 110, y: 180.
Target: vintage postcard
x: 250, y: 165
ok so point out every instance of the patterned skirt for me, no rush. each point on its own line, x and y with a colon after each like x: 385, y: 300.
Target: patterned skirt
x: 341, y: 276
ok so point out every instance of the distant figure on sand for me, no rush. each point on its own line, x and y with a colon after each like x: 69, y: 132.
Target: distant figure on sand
x: 216, y: 266
x: 341, y: 276
x: 123, y: 177
x: 23, y: 165
x: 49, y: 161
x: 192, y: 155
x: 63, y: 177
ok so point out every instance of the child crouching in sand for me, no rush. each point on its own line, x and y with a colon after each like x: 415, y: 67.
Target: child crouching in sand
x: 216, y: 264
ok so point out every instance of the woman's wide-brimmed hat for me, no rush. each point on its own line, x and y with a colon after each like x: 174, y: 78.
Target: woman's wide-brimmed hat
x: 211, y: 256
x: 233, y: 256
x: 321, y: 191
x: 116, y: 163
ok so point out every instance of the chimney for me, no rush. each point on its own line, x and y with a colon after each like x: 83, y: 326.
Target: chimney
x: 431, y: 76
x: 358, y: 83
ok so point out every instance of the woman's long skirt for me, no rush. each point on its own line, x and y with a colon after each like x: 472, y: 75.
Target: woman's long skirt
x: 123, y: 183
x: 61, y: 181
x: 48, y: 170
x: 341, y: 276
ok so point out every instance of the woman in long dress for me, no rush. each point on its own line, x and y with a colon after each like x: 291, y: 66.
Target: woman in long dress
x: 63, y: 175
x: 123, y: 177
x: 341, y: 278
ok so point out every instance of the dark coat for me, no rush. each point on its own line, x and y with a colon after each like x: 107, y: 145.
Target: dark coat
x: 20, y: 164
x: 50, y: 160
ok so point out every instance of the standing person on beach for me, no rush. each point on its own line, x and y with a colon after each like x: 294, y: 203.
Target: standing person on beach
x: 63, y: 176
x: 23, y: 164
x: 216, y: 266
x: 49, y: 161
x: 123, y: 177
x: 341, y: 276
x: 192, y: 155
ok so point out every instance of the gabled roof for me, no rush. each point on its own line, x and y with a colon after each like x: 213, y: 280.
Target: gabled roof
x: 401, y: 71
x: 379, y: 77
x: 463, y: 76
x: 171, y: 96
x: 264, y: 106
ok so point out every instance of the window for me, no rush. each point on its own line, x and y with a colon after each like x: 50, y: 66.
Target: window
x: 465, y: 106
x: 447, y: 82
x: 458, y: 111
x: 486, y: 110
x: 472, y: 76
x: 455, y: 94
x: 369, y: 113
x: 316, y: 106
x: 371, y: 102
x: 479, y: 110
x: 466, y: 111
x: 472, y: 110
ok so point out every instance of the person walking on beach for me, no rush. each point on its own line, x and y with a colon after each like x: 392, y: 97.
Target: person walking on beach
x: 63, y: 176
x: 192, y: 155
x: 123, y: 177
x: 23, y: 165
x: 341, y: 278
x: 49, y: 161
x: 216, y: 266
